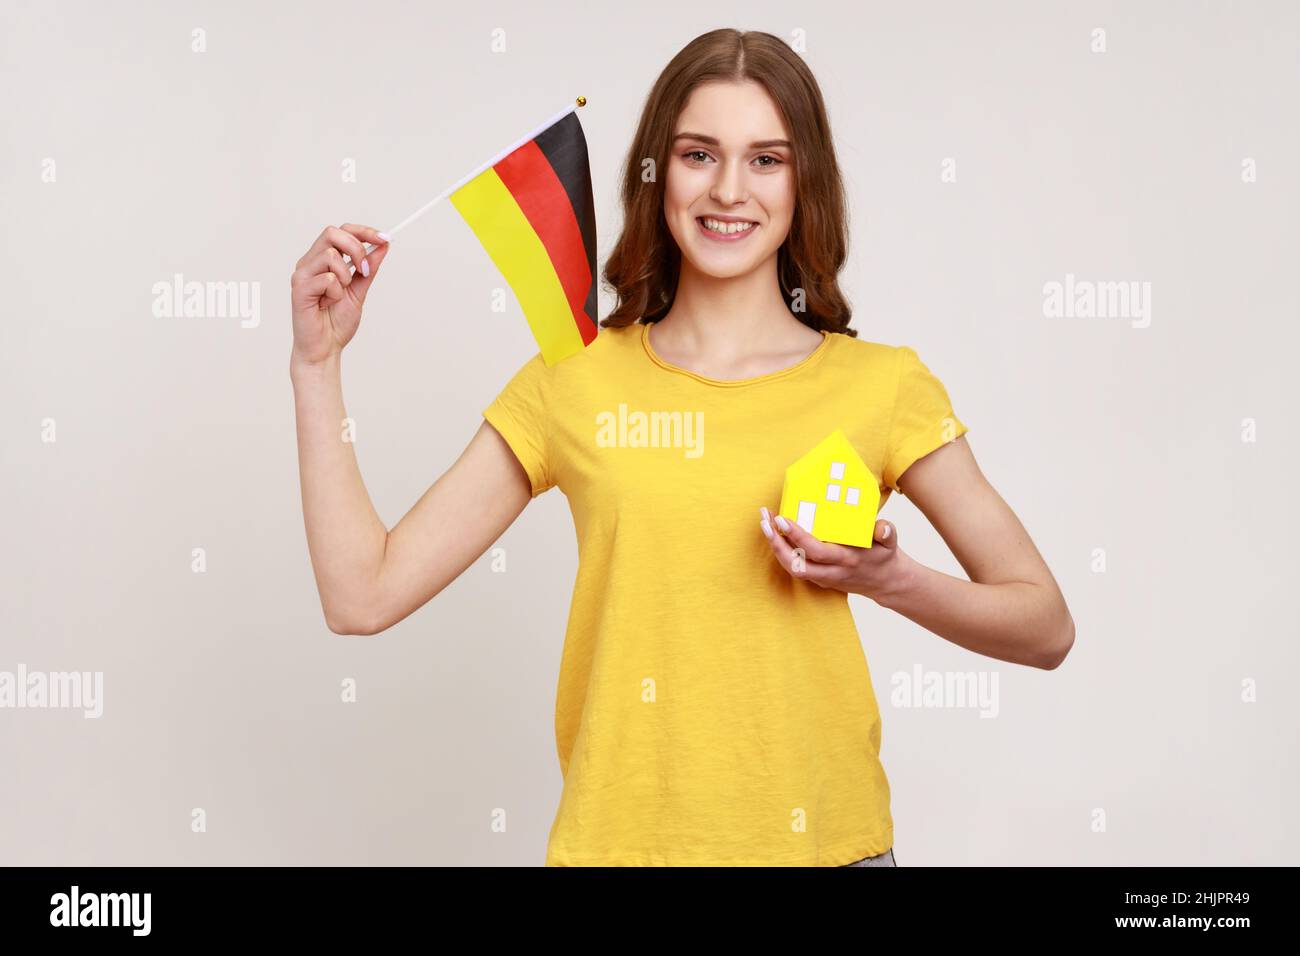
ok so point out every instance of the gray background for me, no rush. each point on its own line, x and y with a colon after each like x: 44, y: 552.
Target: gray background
x: 222, y: 689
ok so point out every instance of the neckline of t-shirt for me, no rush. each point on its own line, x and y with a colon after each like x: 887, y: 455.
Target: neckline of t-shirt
x: 809, y: 359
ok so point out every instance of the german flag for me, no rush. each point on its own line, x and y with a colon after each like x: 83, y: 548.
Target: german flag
x: 534, y: 214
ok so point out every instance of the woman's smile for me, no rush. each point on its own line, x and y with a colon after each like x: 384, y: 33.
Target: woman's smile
x: 720, y: 231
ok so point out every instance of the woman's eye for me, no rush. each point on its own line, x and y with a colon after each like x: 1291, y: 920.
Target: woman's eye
x: 699, y: 156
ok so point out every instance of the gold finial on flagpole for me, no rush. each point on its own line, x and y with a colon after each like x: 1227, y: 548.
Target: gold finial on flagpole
x: 582, y: 101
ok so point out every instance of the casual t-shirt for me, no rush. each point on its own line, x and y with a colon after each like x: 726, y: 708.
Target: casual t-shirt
x: 712, y: 710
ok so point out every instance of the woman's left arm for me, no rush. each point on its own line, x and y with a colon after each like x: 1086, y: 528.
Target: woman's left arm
x: 1010, y: 609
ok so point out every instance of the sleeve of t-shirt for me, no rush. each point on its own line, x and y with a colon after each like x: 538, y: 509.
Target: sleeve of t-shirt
x: 923, y: 417
x: 520, y: 412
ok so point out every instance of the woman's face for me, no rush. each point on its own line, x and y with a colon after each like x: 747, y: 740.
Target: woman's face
x: 730, y: 158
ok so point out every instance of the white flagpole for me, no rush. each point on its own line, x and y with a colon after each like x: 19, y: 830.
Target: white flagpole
x: 580, y: 101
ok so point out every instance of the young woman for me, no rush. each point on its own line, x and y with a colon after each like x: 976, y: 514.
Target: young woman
x: 715, y: 706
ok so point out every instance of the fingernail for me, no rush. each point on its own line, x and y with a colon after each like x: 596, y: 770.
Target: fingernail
x: 763, y: 513
x: 384, y: 236
x: 782, y: 523
x: 885, y: 534
x: 365, y: 268
x: 767, y: 528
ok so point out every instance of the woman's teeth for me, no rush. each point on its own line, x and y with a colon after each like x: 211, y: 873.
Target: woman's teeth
x: 726, y: 228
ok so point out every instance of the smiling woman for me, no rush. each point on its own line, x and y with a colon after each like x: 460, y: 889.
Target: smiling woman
x: 737, y: 125
x: 714, y: 705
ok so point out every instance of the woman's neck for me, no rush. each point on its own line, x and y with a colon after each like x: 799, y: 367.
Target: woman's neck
x: 731, y: 319
x: 732, y: 328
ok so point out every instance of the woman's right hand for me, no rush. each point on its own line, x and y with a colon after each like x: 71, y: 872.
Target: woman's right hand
x: 327, y: 295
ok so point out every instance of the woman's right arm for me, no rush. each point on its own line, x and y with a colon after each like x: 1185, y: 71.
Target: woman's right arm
x: 369, y: 577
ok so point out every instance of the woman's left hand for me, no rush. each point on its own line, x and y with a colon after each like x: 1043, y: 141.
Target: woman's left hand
x: 872, y: 572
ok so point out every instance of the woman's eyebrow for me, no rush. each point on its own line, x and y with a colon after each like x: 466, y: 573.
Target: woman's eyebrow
x: 713, y: 141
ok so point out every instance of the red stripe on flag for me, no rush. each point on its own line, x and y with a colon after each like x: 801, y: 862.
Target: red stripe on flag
x: 542, y: 199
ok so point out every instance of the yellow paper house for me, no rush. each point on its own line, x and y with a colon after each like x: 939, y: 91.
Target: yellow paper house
x: 832, y: 494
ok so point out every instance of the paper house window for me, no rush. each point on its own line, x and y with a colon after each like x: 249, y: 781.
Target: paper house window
x: 837, y: 470
x: 832, y: 492
x: 851, y: 496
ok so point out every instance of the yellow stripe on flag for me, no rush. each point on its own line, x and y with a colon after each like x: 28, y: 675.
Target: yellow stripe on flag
x: 503, y: 229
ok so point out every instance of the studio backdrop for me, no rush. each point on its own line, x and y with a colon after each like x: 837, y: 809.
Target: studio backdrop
x: 1083, y: 215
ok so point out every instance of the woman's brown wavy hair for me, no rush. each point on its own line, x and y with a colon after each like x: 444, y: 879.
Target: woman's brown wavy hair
x: 643, y: 268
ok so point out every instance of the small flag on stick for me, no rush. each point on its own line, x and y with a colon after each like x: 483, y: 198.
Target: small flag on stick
x: 534, y: 214
x: 531, y: 207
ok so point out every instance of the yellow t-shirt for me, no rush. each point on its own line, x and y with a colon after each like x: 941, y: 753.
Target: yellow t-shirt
x: 712, y: 710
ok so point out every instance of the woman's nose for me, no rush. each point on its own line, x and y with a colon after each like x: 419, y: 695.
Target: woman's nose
x: 729, y: 186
